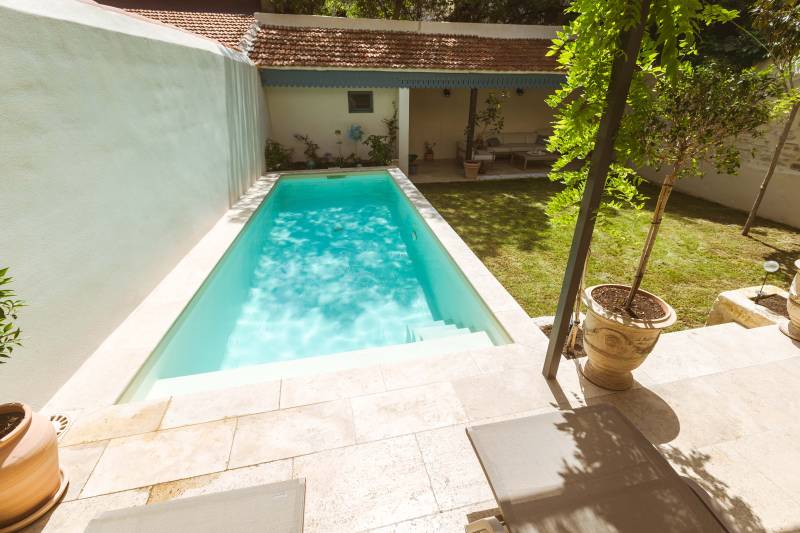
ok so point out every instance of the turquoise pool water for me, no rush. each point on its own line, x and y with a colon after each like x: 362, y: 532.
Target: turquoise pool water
x: 325, y: 265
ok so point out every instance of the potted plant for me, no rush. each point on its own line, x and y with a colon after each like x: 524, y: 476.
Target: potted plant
x: 679, y: 121
x: 412, y: 163
x: 31, y: 482
x: 471, y: 169
x: 312, y: 158
x: 792, y: 327
x: 428, y: 155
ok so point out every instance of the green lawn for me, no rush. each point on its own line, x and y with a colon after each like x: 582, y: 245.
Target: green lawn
x: 699, y: 252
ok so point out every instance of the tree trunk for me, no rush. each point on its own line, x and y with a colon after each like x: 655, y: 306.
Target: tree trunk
x: 772, y: 165
x: 473, y: 104
x: 655, y: 225
x: 576, y: 320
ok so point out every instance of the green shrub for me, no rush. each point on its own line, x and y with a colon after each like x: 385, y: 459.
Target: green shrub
x: 277, y: 156
x: 380, y: 151
x: 9, y: 332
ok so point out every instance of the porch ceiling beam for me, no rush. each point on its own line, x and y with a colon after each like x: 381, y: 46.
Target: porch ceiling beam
x: 276, y: 77
x: 621, y: 75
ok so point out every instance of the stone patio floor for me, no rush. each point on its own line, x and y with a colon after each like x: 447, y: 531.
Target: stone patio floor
x: 383, y: 448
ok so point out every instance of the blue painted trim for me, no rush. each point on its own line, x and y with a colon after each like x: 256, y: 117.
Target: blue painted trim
x: 404, y: 78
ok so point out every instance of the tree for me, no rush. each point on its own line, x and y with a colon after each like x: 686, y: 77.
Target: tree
x: 731, y: 42
x: 586, y: 50
x: 509, y: 11
x: 778, y: 24
x: 697, y: 118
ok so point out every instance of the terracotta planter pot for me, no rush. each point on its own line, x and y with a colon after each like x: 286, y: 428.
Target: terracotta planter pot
x: 617, y: 344
x: 30, y: 480
x: 792, y: 327
x: 471, y: 169
x: 428, y: 156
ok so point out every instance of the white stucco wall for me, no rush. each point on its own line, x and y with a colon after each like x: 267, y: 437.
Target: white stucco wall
x: 122, y: 142
x: 740, y: 190
x: 319, y: 112
x: 440, y: 119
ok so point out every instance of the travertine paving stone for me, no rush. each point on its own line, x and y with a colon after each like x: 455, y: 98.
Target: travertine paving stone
x: 151, y: 458
x: 79, y: 462
x: 237, y: 478
x: 444, y: 522
x: 728, y: 418
x: 331, y: 386
x: 215, y: 405
x: 455, y: 473
x: 405, y: 411
x: 114, y: 421
x: 365, y: 486
x: 502, y: 393
x: 292, y: 432
x: 74, y: 516
x: 426, y: 370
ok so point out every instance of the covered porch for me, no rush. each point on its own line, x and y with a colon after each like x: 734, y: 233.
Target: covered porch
x: 431, y: 109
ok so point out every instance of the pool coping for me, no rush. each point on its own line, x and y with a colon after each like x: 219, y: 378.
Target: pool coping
x: 105, y: 375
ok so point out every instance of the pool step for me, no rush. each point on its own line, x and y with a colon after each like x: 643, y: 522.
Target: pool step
x: 223, y: 379
x: 435, y: 330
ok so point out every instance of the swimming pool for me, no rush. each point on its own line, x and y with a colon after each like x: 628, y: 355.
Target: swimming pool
x: 328, y: 264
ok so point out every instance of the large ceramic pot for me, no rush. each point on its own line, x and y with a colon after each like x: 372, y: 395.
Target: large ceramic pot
x: 792, y: 327
x: 471, y: 169
x: 617, y: 344
x: 30, y: 479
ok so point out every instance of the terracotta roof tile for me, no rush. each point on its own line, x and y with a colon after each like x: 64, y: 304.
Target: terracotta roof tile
x: 298, y: 47
x: 227, y: 28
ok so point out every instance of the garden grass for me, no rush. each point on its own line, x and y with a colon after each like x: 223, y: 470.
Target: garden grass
x: 698, y: 254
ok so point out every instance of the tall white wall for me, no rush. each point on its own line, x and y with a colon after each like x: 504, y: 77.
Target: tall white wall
x: 440, y: 119
x: 122, y: 141
x: 780, y: 203
x: 318, y: 112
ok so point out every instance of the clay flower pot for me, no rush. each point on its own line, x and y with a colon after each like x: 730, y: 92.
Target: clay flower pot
x: 30, y: 479
x: 617, y: 344
x: 471, y: 169
x: 792, y: 327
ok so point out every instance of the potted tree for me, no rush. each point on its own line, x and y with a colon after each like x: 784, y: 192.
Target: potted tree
x: 792, y: 327
x: 694, y: 118
x: 678, y: 122
x: 490, y: 119
x: 31, y: 482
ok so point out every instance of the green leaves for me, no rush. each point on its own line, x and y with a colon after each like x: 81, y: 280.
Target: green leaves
x: 9, y: 332
x: 675, y: 115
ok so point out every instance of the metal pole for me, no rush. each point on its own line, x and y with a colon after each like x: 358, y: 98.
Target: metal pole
x: 621, y: 75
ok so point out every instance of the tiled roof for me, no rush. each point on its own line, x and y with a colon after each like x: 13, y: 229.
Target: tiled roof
x: 227, y: 28
x: 278, y: 46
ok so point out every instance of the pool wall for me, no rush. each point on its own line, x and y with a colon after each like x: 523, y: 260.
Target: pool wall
x: 111, y: 368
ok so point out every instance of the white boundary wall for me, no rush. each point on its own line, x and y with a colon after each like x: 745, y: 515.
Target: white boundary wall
x: 780, y: 203
x: 122, y: 142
